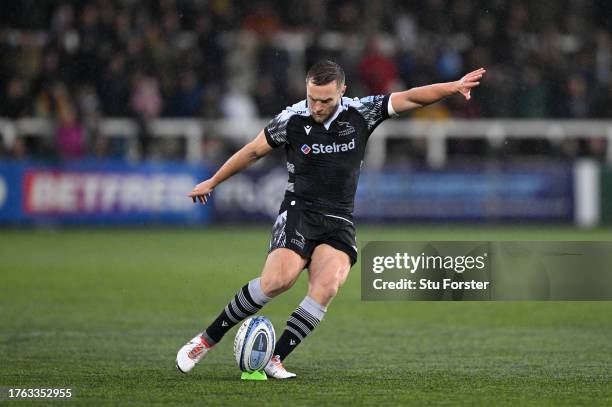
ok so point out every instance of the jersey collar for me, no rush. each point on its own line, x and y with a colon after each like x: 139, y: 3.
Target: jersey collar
x: 333, y: 117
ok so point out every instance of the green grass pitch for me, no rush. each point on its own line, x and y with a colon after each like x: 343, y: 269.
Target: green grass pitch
x: 104, y: 312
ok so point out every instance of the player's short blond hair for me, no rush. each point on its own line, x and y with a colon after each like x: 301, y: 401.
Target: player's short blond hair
x: 324, y: 72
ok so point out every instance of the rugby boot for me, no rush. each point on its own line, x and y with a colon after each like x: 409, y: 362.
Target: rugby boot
x: 275, y: 369
x: 190, y: 354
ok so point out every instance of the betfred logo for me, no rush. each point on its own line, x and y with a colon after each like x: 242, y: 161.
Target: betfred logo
x: 70, y: 193
x: 329, y: 148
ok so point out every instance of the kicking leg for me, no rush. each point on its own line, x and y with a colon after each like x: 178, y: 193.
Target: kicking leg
x: 282, y: 268
x: 328, y: 271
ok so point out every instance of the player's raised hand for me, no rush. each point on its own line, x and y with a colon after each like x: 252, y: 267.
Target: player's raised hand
x: 202, y: 191
x: 469, y: 81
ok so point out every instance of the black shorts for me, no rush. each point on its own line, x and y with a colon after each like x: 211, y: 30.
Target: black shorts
x: 301, y: 230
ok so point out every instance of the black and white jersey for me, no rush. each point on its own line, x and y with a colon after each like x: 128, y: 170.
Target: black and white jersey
x: 324, y: 159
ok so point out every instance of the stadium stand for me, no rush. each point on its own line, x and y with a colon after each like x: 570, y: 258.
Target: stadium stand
x: 77, y: 62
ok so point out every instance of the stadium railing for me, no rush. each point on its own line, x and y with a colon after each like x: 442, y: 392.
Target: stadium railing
x: 435, y: 133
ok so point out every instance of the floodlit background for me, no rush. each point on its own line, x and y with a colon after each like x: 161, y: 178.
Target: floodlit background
x: 111, y: 111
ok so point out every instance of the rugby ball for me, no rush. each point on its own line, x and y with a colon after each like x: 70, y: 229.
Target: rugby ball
x: 254, y: 344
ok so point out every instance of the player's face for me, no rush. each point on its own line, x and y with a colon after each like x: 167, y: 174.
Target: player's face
x: 323, y: 99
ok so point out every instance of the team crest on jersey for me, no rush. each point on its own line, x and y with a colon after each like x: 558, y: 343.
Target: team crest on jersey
x: 346, y: 129
x: 307, y: 129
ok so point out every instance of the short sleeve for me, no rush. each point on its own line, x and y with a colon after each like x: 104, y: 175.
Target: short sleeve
x: 276, y: 130
x: 374, y: 109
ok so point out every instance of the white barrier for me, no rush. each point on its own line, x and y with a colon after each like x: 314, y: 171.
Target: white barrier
x: 195, y: 131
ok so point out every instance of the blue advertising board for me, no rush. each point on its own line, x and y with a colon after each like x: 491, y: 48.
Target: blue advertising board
x: 501, y: 193
x: 99, y: 193
x: 121, y: 193
x: 542, y: 192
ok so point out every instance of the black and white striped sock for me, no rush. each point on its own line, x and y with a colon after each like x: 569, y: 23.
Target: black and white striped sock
x: 248, y: 301
x: 304, y: 319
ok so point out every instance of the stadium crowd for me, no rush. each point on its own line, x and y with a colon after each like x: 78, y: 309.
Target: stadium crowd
x: 78, y: 61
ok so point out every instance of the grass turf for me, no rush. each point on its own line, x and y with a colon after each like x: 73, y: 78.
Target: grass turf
x: 104, y: 312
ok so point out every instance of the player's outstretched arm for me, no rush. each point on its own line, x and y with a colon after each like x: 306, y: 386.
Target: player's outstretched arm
x: 242, y: 159
x: 426, y: 95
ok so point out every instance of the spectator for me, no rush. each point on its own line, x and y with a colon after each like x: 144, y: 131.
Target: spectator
x: 530, y: 94
x: 70, y: 134
x: 238, y: 104
x: 15, y: 103
x: 146, y: 99
x: 147, y: 104
x: 377, y: 71
x: 113, y: 87
x: 186, y: 101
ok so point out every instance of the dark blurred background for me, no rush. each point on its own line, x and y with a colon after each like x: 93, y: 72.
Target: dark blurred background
x: 77, y: 61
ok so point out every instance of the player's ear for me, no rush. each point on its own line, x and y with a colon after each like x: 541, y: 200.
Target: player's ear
x: 342, y: 90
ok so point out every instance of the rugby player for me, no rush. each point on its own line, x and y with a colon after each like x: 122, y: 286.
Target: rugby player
x: 324, y: 137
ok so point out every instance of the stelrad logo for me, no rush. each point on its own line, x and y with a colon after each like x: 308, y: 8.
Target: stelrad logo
x: 328, y: 148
